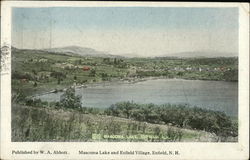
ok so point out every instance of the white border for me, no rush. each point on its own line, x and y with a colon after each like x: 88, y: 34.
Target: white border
x: 187, y: 150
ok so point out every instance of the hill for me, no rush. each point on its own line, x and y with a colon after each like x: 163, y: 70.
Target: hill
x: 81, y: 51
x: 201, y: 54
x: 90, y: 52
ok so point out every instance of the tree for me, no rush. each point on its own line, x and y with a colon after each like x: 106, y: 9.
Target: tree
x: 80, y: 61
x: 92, y: 73
x: 127, y: 108
x: 19, y: 96
x: 75, y: 78
x: 34, y: 72
x: 70, y: 100
x: 115, y: 61
x: 58, y: 75
x: 106, y: 60
x: 105, y: 76
x: 231, y: 75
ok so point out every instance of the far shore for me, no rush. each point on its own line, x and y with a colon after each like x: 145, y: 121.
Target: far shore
x: 130, y: 80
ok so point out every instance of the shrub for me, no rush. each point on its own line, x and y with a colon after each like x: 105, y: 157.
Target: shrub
x: 70, y: 100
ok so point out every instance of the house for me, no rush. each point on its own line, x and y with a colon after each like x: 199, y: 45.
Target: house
x: 86, y: 68
x: 42, y: 60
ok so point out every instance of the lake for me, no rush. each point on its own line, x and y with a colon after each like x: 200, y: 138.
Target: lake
x: 214, y: 95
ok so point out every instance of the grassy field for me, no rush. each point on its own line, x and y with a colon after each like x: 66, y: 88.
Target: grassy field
x: 49, y: 124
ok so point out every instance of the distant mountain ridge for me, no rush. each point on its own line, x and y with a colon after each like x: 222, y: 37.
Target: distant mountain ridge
x: 204, y: 54
x: 81, y: 51
x: 90, y: 52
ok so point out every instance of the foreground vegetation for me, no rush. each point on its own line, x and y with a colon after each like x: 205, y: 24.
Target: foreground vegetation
x: 180, y: 117
x: 50, y: 124
x: 183, y: 116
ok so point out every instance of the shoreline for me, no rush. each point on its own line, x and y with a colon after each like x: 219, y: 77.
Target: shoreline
x: 125, y: 80
x: 136, y: 80
x: 95, y: 84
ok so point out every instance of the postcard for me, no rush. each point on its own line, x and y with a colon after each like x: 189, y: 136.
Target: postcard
x: 124, y: 80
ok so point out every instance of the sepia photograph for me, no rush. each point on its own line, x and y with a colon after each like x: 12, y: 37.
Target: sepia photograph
x: 137, y: 74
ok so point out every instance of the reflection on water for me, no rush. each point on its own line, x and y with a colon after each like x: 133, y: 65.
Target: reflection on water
x: 215, y: 95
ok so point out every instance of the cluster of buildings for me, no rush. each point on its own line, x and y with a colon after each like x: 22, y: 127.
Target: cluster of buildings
x: 194, y: 69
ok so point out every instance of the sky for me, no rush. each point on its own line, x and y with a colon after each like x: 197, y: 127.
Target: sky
x: 146, y: 31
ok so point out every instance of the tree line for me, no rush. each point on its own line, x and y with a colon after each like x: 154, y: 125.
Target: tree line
x: 177, y: 115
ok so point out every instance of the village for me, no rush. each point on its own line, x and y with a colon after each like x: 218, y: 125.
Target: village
x: 52, y: 71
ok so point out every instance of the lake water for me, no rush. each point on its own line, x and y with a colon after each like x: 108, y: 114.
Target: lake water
x: 214, y: 95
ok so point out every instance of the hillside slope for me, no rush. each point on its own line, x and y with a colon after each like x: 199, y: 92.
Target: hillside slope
x: 49, y: 124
